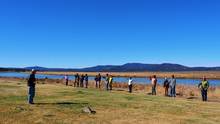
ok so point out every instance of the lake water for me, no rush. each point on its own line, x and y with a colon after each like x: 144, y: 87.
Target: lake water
x: 116, y: 79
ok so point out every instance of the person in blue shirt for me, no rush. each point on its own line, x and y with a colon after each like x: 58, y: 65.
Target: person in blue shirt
x: 172, y: 84
x: 86, y: 80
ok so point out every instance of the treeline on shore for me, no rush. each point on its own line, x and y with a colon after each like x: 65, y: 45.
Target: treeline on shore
x: 13, y: 69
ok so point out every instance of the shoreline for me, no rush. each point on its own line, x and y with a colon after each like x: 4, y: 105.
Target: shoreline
x: 136, y: 83
x: 211, y: 75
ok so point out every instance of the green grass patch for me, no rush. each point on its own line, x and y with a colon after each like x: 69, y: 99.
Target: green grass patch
x: 61, y: 104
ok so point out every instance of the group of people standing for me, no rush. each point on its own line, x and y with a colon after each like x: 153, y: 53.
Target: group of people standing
x: 168, y: 84
x: 108, y: 80
x: 83, y: 80
x: 98, y: 80
x: 80, y: 80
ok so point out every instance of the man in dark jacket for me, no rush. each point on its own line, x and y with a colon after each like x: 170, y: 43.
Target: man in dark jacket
x: 31, y: 87
x: 166, y: 86
x: 99, y: 80
x: 82, y: 78
x: 76, y: 82
x: 86, y: 80
x: 96, y: 81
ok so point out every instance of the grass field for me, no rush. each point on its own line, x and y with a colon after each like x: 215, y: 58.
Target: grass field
x: 58, y: 104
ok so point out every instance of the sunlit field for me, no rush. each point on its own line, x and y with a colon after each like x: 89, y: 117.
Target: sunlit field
x: 60, y: 104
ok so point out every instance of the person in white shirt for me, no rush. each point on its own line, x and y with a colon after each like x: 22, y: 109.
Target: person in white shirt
x: 154, y: 85
x: 66, y: 78
x: 130, y: 84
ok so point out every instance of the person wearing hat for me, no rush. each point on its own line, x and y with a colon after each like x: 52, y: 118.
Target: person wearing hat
x: 31, y: 87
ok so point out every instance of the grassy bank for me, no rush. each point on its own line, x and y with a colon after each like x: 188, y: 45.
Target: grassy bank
x: 58, y: 104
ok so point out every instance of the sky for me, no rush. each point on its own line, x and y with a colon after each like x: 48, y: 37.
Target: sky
x: 82, y: 33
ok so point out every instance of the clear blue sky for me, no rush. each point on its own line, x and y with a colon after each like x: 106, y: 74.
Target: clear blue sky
x: 81, y: 33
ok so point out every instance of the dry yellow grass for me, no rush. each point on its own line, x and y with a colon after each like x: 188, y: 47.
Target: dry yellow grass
x: 58, y: 104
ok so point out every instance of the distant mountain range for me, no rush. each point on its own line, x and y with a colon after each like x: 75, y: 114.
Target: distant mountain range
x: 129, y: 67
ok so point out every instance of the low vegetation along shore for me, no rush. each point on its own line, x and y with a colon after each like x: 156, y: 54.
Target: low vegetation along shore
x: 60, y: 104
x: 190, y: 75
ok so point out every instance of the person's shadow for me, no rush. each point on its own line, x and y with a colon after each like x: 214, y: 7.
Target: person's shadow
x: 62, y: 103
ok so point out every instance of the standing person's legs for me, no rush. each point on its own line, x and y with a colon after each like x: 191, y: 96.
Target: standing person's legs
x: 31, y: 94
x: 74, y: 83
x: 153, y: 90
x: 171, y: 92
x: 87, y: 84
x: 77, y: 83
x: 99, y: 84
x: 110, y: 85
x: 166, y: 91
x: 174, y: 92
x: 206, y: 95
x: 107, y: 85
x: 203, y: 95
x: 130, y: 88
x: 96, y: 84
x: 66, y: 82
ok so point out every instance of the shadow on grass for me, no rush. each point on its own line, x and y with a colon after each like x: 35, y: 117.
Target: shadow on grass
x: 62, y: 103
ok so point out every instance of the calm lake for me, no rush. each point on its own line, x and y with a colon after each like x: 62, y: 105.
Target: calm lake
x: 116, y: 79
